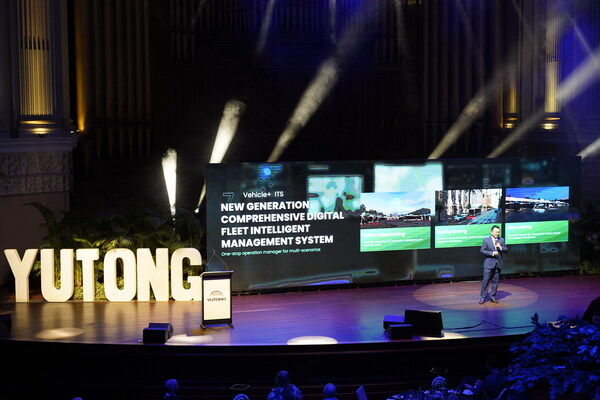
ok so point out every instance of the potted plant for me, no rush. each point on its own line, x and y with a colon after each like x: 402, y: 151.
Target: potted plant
x: 131, y: 228
x: 562, y: 357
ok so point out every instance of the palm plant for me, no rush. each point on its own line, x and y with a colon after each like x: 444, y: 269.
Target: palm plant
x: 132, y: 228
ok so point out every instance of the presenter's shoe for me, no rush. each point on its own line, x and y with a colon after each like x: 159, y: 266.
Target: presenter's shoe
x: 481, y: 301
x: 493, y: 300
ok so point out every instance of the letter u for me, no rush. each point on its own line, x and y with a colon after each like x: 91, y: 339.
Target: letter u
x: 49, y: 290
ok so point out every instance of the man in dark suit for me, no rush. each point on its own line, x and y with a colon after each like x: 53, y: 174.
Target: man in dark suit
x: 492, y: 248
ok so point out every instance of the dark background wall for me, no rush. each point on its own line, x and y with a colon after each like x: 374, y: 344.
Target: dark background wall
x: 157, y: 74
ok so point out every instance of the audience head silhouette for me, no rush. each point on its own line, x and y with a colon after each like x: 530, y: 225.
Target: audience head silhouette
x: 171, y: 387
x: 284, y: 389
x: 330, y: 391
x: 283, y: 379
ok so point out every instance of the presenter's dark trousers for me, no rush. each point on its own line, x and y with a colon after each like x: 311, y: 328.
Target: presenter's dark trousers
x: 492, y: 275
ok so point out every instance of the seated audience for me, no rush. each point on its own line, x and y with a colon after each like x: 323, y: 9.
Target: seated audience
x: 284, y: 390
x: 490, y: 387
x: 171, y: 387
x: 330, y: 391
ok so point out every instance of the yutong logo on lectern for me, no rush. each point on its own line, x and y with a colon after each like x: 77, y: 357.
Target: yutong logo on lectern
x: 216, y: 295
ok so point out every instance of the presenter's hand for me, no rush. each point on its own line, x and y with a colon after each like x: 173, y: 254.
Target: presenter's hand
x: 495, y: 253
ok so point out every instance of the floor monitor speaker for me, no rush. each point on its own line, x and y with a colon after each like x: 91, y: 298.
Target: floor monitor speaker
x: 425, y: 323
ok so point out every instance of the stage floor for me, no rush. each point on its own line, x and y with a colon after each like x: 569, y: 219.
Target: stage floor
x: 338, y: 316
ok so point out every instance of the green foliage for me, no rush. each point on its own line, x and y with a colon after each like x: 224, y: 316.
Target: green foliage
x: 561, y: 355
x: 588, y: 225
x: 132, y: 229
x: 590, y: 267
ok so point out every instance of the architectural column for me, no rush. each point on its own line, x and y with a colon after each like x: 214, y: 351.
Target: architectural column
x: 510, y: 107
x: 112, y: 78
x: 553, y: 35
x: 36, y: 135
x: 6, y: 71
x: 40, y: 50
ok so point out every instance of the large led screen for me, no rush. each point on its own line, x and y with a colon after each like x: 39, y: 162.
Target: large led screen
x: 279, y: 225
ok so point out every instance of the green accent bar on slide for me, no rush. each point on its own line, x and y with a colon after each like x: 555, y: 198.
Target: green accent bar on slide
x: 537, y: 232
x: 461, y: 235
x: 389, y: 239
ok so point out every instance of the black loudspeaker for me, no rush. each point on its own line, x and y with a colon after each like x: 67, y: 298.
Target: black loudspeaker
x: 166, y: 326
x: 5, y: 323
x: 157, y: 332
x: 425, y: 323
x: 399, y: 331
x: 392, y: 319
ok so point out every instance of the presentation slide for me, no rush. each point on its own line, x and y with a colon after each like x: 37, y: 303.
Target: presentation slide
x: 396, y: 221
x: 465, y: 217
x: 294, y: 224
x: 537, y: 215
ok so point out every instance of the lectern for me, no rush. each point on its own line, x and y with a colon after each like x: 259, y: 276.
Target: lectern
x: 216, y: 298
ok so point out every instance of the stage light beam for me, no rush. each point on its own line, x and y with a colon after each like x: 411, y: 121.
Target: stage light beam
x: 198, y: 14
x: 332, y: 21
x: 264, y: 29
x: 311, y: 100
x: 232, y: 113
x: 583, y: 76
x: 227, y: 128
x: 401, y: 35
x: 590, y: 150
x: 594, y: 147
x: 484, y: 96
x: 325, y: 79
x: 471, y: 113
x: 482, y: 99
x: 169, y: 166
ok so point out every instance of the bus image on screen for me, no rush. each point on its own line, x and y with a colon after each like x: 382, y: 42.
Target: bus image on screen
x: 396, y: 221
x: 537, y: 215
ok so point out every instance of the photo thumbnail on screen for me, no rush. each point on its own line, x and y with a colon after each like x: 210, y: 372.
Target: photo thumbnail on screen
x: 537, y: 215
x: 464, y: 217
x: 396, y: 221
x: 399, y: 178
x: 334, y: 193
